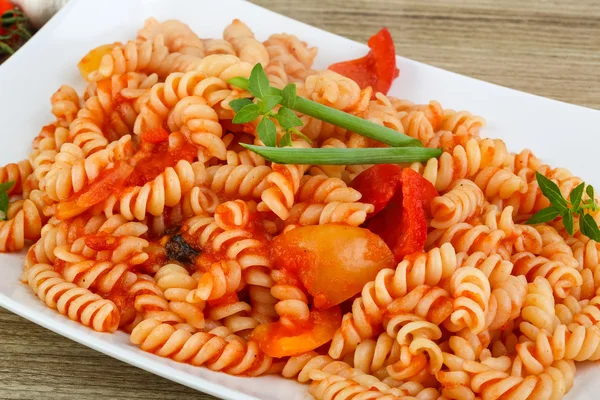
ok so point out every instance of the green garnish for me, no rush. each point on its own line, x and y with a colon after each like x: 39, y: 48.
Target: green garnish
x: 258, y: 86
x: 4, y: 198
x: 574, y: 206
x: 248, y: 110
x: 337, y: 156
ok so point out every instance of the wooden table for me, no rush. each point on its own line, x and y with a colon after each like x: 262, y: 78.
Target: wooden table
x: 551, y: 51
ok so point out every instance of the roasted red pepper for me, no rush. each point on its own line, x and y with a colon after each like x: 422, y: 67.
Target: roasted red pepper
x: 401, y: 221
x: 377, y: 69
x: 378, y: 185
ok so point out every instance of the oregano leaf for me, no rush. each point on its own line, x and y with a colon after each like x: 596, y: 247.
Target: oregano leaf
x: 267, y: 132
x: 589, y: 227
x: 286, y: 140
x: 568, y: 222
x: 270, y: 101
x: 552, y: 192
x: 258, y: 84
x: 576, y: 195
x: 545, y: 215
x: 289, y: 95
x: 287, y: 118
x: 246, y: 114
x: 238, y: 104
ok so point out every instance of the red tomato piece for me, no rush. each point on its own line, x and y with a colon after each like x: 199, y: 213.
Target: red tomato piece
x: 104, y: 185
x: 332, y: 261
x: 276, y: 340
x: 402, y: 224
x: 156, y: 135
x: 377, y: 69
x: 378, y: 185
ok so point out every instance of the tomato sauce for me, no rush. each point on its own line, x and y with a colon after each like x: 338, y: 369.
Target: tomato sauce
x: 101, y: 241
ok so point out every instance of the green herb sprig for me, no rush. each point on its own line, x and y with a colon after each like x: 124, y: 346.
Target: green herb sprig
x: 567, y: 209
x: 265, y: 101
x: 4, y: 198
x: 269, y: 97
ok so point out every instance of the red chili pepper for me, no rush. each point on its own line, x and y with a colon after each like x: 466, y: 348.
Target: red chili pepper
x: 402, y: 224
x: 377, y: 69
x: 378, y: 185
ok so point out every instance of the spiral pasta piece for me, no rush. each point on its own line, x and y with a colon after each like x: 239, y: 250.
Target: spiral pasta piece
x: 292, y: 301
x: 117, y: 249
x: 459, y: 204
x: 17, y: 173
x: 417, y: 337
x: 390, y: 286
x: 471, y: 291
x: 466, y: 238
x: 285, y: 183
x: 321, y: 189
x: 471, y: 160
x: 334, y: 90
x: 500, y: 182
x: 51, y: 137
x: 372, y: 356
x: 242, y: 181
x: 234, y: 214
x: 166, y: 190
x: 178, y: 37
x: 506, y: 302
x: 78, y: 171
x: 325, y: 213
x: 290, y: 53
x: 230, y: 354
x: 24, y: 222
x: 99, y: 276
x: 236, y: 316
x: 79, y: 304
x: 222, y: 278
x: 416, y: 125
x: 538, y: 308
x: 52, y: 236
x: 176, y: 284
x: 146, y: 55
x: 65, y: 105
x: 218, y: 46
x: 567, y: 342
x: 494, y: 267
x: 461, y: 122
x: 555, y: 248
x: 246, y: 46
x: 200, y: 123
x: 553, y: 383
x: 343, y: 383
x: 561, y: 278
x: 588, y: 314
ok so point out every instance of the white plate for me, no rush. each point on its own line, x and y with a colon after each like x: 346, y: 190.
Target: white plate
x: 563, y: 134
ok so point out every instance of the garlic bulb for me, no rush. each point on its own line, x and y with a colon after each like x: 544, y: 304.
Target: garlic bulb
x: 40, y: 11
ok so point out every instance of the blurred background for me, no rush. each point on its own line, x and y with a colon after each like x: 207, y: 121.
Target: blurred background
x: 550, y: 48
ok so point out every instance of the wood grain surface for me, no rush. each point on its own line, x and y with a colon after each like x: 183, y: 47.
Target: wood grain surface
x: 548, y: 47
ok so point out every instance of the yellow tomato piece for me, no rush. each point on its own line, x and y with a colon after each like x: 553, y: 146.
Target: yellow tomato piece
x: 91, y: 61
x: 276, y: 340
x: 332, y: 261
